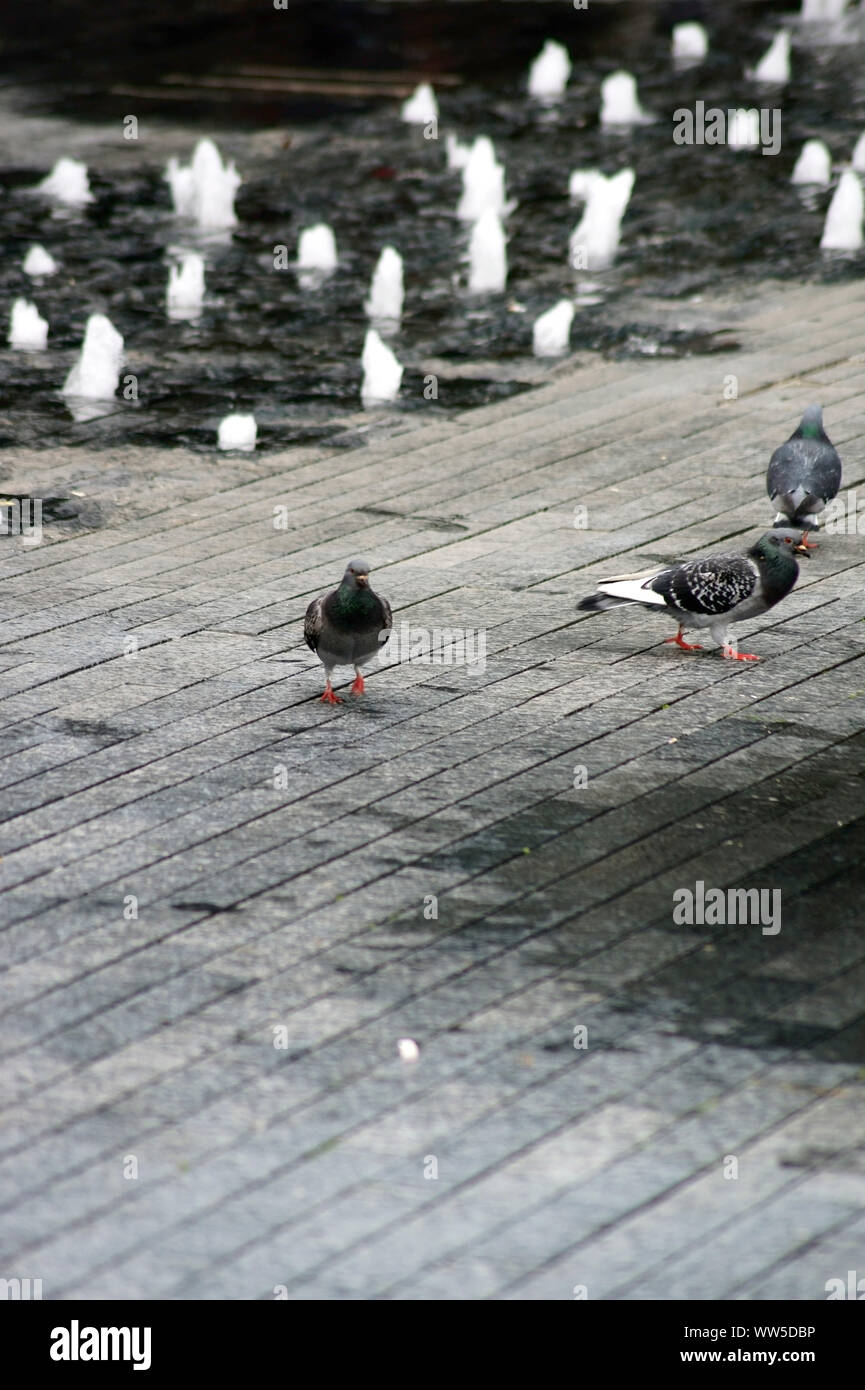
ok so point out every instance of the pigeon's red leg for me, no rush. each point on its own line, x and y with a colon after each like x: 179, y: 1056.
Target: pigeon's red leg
x: 358, y: 686
x: 680, y: 642
x: 328, y: 697
x: 732, y: 655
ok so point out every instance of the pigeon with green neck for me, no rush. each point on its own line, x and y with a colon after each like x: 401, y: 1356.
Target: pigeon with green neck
x: 345, y: 627
x: 713, y: 592
x: 804, y: 474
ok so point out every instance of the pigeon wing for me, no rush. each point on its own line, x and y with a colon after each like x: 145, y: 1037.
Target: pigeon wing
x: 312, y: 623
x: 810, y: 464
x: 713, y: 585
x: 386, y: 614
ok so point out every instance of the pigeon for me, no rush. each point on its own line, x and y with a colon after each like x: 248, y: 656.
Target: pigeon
x: 715, y: 591
x: 804, y: 473
x: 344, y: 627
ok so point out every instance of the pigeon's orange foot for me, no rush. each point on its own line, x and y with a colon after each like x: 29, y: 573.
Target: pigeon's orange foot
x: 328, y: 697
x: 732, y: 655
x: 358, y: 687
x: 806, y: 543
x: 686, y: 646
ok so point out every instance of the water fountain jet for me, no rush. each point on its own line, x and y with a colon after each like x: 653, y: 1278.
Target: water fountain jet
x: 549, y: 73
x: 97, y: 369
x: 551, y: 331
x: 483, y: 183
x: 743, y: 130
x: 595, y: 240
x: 237, y: 432
x: 185, y: 293
x: 386, y: 290
x: 316, y: 251
x: 204, y: 189
x: 28, y: 330
x: 382, y: 372
x: 39, y: 262
x: 813, y: 11
x: 67, y: 183
x: 774, y: 66
x: 842, y: 230
x: 458, y: 154
x: 620, y: 104
x: 421, y: 107
x: 814, y: 165
x: 488, y: 261
x: 581, y: 183
x: 690, y: 43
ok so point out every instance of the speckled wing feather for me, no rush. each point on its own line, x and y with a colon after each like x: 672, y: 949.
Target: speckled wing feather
x: 713, y: 585
x: 312, y: 623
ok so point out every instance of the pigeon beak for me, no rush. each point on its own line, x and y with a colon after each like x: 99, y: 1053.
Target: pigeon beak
x: 803, y: 548
x: 362, y: 579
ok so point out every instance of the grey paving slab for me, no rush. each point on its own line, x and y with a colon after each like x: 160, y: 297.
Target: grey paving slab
x: 222, y: 905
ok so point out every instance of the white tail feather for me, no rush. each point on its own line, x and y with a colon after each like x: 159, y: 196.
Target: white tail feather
x: 633, y: 588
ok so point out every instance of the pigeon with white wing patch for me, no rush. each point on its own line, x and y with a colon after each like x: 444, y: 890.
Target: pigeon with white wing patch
x: 713, y: 592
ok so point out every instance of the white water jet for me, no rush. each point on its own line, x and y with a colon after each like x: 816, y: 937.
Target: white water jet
x: 581, y: 183
x: 814, y: 165
x: 382, y: 373
x: 95, y: 373
x: 27, y: 328
x: 39, y: 262
x: 237, y: 432
x: 595, y: 240
x: 774, y: 66
x: 743, y: 130
x: 549, y: 73
x: 458, y: 154
x: 551, y: 332
x: 386, y: 289
x: 690, y: 43
x: 67, y: 183
x: 858, y: 160
x: 483, y: 183
x: 421, y: 107
x: 204, y: 190
x: 815, y: 10
x: 316, y: 249
x: 842, y: 230
x: 488, y: 260
x: 620, y: 105
x: 185, y: 293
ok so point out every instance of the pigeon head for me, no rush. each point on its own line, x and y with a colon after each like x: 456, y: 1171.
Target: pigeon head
x: 782, y: 540
x: 811, y: 424
x: 356, y: 574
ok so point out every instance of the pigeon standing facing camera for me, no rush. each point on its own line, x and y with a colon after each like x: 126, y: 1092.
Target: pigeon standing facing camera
x: 344, y: 627
x: 804, y: 473
x: 713, y: 592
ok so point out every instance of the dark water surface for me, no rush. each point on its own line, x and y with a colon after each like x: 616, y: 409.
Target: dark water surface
x: 701, y: 219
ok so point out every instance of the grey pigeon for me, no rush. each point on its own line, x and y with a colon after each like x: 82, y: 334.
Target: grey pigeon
x: 713, y: 592
x: 804, y: 473
x: 344, y: 627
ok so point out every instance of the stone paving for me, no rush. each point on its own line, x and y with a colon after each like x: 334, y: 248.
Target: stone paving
x: 224, y: 903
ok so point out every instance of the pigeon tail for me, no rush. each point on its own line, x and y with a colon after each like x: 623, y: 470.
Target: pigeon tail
x: 599, y: 603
